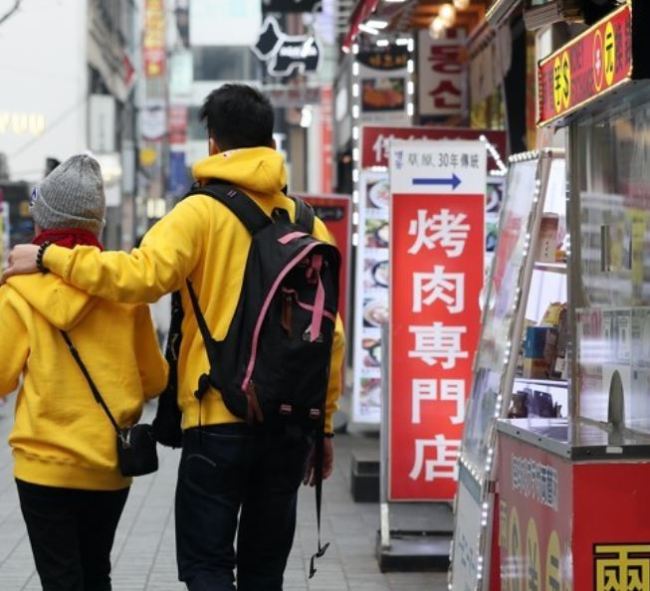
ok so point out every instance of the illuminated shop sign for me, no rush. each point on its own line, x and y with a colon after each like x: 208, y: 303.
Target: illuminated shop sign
x: 286, y: 54
x: 605, y: 57
x: 19, y: 123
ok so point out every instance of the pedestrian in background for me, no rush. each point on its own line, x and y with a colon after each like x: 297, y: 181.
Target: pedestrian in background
x: 70, y: 487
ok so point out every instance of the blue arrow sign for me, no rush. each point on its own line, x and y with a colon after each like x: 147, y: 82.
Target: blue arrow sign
x: 454, y: 181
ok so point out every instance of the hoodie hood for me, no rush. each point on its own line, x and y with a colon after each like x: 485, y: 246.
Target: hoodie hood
x: 61, y: 304
x: 256, y: 170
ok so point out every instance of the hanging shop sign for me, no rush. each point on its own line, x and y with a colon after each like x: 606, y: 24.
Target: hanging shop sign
x: 292, y: 97
x: 327, y: 138
x: 153, y: 120
x: 286, y: 54
x: 291, y: 5
x: 153, y: 44
x: 383, y: 78
x: 376, y: 141
x: 335, y: 212
x: 178, y: 181
x: 442, y: 90
x: 4, y: 231
x: 101, y: 123
x: 436, y: 269
x: 607, y: 56
x: 178, y: 115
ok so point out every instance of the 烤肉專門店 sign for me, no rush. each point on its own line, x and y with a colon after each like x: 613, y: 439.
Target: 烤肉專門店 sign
x: 436, y: 269
x: 588, y: 67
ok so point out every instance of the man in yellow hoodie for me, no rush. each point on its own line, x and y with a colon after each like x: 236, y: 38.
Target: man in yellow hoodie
x: 70, y: 487
x: 225, y: 467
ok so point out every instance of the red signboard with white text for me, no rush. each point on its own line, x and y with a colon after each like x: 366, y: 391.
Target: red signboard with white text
x: 436, y: 269
x: 376, y: 141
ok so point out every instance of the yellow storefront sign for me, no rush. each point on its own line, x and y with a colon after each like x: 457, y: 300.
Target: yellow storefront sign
x: 624, y: 567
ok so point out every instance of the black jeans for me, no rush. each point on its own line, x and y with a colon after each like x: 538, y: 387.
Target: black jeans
x: 225, y: 469
x: 71, y: 532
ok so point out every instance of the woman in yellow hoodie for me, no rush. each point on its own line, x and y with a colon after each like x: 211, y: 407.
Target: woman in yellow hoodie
x: 70, y: 487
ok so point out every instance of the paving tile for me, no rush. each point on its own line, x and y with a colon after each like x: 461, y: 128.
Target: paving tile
x: 144, y: 551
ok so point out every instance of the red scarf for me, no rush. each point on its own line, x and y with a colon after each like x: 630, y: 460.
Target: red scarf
x: 68, y: 237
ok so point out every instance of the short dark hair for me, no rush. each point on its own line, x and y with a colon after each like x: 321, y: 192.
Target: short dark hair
x: 238, y: 116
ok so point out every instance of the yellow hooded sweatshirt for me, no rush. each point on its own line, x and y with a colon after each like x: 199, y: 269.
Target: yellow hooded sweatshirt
x: 202, y: 240
x: 61, y: 436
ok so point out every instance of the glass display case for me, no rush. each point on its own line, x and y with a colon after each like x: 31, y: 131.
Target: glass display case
x: 611, y: 286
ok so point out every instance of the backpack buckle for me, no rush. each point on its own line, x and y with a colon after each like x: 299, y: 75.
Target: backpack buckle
x: 306, y: 336
x: 314, y: 414
x: 286, y: 409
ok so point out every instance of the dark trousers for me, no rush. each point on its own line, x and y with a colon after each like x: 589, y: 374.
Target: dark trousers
x: 225, y: 469
x: 71, y: 532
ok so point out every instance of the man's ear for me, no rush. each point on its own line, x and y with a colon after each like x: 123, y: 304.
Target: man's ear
x: 213, y: 147
x: 274, y: 144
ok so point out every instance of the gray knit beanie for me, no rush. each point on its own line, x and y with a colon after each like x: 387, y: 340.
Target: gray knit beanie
x: 71, y: 196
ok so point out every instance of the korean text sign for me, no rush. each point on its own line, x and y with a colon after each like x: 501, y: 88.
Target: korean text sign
x: 436, y: 270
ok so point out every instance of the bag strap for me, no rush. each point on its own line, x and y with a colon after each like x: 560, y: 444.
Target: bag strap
x: 204, y: 380
x: 247, y: 211
x: 319, y: 458
x: 304, y: 215
x: 93, y: 388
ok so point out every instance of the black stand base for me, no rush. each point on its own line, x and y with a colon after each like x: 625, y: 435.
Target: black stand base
x: 414, y: 551
x: 364, y: 478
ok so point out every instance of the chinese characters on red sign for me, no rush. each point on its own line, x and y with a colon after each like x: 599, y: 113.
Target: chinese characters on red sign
x: 590, y: 66
x: 438, y: 205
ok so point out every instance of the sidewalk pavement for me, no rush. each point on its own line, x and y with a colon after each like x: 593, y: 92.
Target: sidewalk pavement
x: 144, y: 551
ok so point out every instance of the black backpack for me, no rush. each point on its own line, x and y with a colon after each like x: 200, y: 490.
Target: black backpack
x: 273, y: 365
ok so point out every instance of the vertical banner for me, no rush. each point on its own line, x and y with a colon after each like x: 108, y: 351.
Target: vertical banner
x: 177, y: 124
x: 327, y: 136
x: 371, y: 295
x: 4, y: 230
x: 153, y: 44
x: 442, y: 91
x: 436, y: 267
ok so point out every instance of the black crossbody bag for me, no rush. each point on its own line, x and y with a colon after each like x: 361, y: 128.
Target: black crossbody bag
x: 136, y: 446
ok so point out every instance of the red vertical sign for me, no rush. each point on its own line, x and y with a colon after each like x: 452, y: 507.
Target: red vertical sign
x: 436, y: 254
x: 326, y: 139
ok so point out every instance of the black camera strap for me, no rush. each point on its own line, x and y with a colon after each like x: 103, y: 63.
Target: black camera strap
x: 93, y: 388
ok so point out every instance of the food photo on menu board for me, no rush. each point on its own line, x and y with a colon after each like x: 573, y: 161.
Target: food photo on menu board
x: 383, y: 94
x: 370, y: 397
x: 372, y: 352
x: 377, y: 233
x: 375, y: 268
x: 375, y: 311
x: 378, y: 193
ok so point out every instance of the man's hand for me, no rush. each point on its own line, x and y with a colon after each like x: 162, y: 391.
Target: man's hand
x: 328, y: 463
x: 22, y: 261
